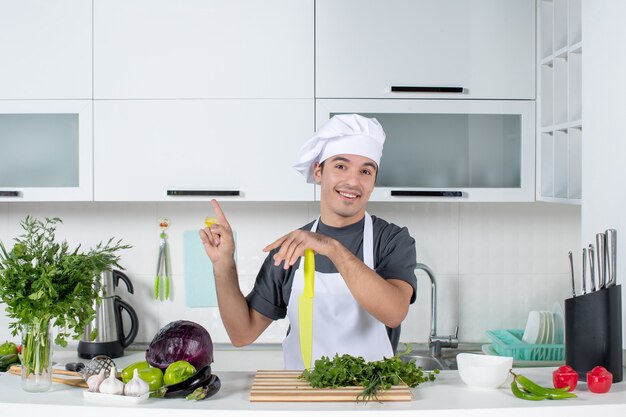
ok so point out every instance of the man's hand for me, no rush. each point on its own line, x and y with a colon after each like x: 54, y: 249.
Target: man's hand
x: 292, y: 246
x: 386, y: 299
x: 218, y: 239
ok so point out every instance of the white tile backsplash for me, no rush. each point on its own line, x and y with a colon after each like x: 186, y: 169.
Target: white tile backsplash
x: 493, y: 261
x: 502, y: 301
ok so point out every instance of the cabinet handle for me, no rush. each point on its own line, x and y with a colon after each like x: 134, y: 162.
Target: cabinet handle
x: 411, y: 89
x: 203, y: 193
x: 405, y: 193
x: 10, y: 194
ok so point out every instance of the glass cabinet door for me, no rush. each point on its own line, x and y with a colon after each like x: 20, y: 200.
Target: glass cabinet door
x: 442, y: 149
x: 45, y: 150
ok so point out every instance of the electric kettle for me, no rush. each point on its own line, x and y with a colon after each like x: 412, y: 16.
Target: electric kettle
x: 110, y: 337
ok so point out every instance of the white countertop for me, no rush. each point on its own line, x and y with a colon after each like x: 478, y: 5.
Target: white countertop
x: 445, y: 396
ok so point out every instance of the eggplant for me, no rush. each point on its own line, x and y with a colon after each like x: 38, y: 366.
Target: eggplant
x: 189, y: 385
x: 212, y: 386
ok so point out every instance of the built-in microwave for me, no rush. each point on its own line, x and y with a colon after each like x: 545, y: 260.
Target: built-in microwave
x: 449, y: 150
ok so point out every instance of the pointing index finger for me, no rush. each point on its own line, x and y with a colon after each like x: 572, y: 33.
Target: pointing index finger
x: 219, y: 213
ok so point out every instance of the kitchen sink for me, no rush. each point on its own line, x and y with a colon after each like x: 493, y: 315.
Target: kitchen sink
x: 428, y: 362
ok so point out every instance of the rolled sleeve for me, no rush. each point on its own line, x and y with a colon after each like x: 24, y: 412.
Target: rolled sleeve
x: 259, y: 303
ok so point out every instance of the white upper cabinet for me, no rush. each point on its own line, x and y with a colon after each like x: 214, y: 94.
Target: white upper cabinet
x: 194, y: 150
x: 45, y: 49
x: 46, y: 150
x: 449, y: 150
x: 485, y: 48
x: 203, y: 49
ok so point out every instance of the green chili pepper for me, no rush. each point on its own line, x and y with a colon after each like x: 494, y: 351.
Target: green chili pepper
x: 534, y: 392
x: 551, y: 393
x: 525, y: 395
x: 153, y: 376
x: 128, y: 372
x: 8, y: 348
x: 178, y: 372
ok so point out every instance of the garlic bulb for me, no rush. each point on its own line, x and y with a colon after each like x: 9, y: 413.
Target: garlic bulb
x: 112, y: 385
x: 136, y: 387
x: 94, y: 381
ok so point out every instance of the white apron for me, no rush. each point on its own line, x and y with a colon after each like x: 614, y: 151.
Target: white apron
x: 340, y: 324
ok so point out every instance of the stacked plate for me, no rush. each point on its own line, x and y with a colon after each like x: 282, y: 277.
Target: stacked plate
x: 540, y: 328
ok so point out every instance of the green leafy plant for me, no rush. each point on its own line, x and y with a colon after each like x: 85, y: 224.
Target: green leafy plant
x: 43, y: 283
x: 376, y: 376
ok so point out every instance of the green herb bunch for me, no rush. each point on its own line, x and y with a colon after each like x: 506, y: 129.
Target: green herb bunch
x: 376, y: 376
x: 44, y: 282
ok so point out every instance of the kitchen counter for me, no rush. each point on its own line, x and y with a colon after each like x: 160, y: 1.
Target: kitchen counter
x: 446, y: 396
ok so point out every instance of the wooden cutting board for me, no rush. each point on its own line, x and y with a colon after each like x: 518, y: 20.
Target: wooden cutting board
x: 75, y: 382
x: 285, y: 386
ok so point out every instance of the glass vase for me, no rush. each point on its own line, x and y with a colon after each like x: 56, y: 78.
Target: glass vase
x: 36, y: 357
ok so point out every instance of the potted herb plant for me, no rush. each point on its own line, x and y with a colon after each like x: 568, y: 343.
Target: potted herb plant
x: 44, y: 284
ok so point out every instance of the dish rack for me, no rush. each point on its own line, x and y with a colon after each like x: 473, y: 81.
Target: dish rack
x: 510, y: 343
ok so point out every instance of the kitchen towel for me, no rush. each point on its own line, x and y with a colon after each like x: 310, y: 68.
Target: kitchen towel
x: 199, y: 280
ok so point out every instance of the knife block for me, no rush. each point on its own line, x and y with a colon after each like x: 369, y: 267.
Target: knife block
x: 593, y: 332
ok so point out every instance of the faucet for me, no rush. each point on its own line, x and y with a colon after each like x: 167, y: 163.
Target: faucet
x: 435, y: 341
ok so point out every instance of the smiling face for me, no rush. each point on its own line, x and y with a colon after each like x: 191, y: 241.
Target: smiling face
x: 346, y: 182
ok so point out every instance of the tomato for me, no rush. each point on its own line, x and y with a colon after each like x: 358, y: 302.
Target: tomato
x: 178, y: 372
x: 599, y: 380
x: 565, y: 376
x: 8, y: 348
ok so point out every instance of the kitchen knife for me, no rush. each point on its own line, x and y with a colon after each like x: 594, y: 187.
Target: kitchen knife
x: 611, y: 254
x: 592, y: 269
x: 305, y: 309
x: 571, y: 272
x: 601, y: 258
x: 584, y: 286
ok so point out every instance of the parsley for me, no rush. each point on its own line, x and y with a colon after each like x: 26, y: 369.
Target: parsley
x: 347, y: 370
x: 42, y: 281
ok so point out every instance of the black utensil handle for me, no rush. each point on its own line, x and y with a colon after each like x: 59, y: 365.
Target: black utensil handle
x: 424, y: 89
x: 409, y: 193
x: 118, y: 275
x: 74, y: 366
x: 9, y: 194
x: 203, y: 193
x: 124, y: 339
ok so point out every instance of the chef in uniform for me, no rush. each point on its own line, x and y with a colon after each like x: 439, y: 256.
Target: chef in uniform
x: 364, y: 266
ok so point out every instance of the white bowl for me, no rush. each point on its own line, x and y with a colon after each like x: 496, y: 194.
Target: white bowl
x: 483, y: 371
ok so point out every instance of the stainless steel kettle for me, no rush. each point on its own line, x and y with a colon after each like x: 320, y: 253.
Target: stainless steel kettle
x: 111, y: 339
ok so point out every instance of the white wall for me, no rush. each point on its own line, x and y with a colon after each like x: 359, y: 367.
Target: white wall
x: 494, y: 262
x: 604, y: 109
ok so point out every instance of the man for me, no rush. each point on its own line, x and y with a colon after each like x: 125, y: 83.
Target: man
x: 364, y: 266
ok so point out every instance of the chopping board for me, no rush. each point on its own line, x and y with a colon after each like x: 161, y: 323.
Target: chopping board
x: 75, y: 382
x: 199, y: 279
x: 285, y: 386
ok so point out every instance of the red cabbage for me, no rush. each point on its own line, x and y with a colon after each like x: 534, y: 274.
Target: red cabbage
x: 181, y: 340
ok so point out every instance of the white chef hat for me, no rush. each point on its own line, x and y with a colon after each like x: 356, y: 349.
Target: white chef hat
x: 342, y: 134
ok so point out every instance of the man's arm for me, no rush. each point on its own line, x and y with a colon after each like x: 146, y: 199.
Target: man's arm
x: 243, y: 324
x: 386, y: 299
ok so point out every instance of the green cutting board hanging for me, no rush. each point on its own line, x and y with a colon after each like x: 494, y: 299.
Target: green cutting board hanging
x: 199, y: 279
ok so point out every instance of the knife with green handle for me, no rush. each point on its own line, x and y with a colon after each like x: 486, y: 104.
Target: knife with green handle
x: 305, y: 309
